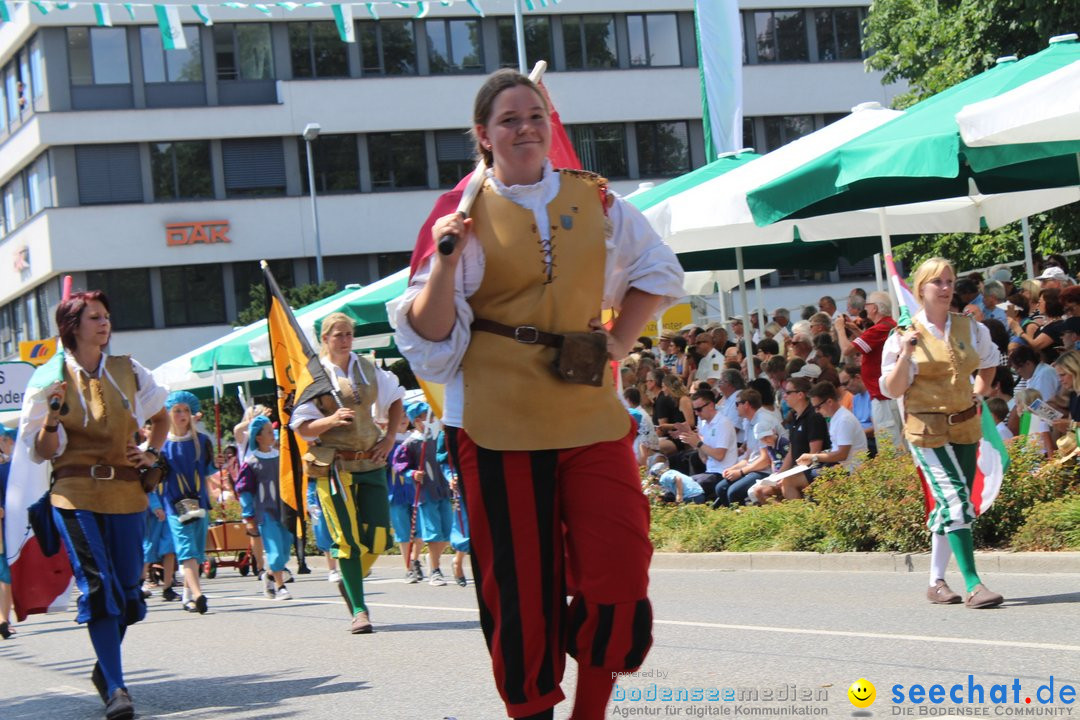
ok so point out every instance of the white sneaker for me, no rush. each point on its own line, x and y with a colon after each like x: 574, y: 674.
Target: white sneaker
x: 282, y: 594
x: 268, y: 586
x: 437, y: 578
x: 333, y: 577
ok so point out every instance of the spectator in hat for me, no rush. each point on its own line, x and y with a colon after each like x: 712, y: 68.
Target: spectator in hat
x: 1054, y: 278
x: 1003, y: 275
x: 868, y: 345
x: 668, y: 357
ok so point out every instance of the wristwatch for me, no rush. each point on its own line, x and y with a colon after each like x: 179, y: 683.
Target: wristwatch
x: 699, y: 444
x: 153, y: 451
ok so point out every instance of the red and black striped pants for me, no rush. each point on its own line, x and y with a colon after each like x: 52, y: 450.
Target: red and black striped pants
x: 536, y: 517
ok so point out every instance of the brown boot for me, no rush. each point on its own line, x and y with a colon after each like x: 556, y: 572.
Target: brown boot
x: 981, y: 597
x: 361, y: 624
x: 940, y: 594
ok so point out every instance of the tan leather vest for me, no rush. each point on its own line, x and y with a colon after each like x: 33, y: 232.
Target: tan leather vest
x: 942, y: 386
x: 362, y: 433
x: 513, y: 399
x: 99, y: 435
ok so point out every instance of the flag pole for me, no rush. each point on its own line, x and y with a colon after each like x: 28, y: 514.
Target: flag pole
x: 519, y: 30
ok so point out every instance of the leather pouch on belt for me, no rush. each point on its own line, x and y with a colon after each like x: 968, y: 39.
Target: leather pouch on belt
x: 582, y: 358
x: 317, y: 461
x: 927, y: 430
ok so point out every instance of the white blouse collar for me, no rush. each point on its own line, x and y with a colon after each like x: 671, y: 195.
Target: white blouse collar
x: 527, y: 196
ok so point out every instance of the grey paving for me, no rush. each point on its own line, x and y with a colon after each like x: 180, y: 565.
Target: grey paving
x: 752, y: 631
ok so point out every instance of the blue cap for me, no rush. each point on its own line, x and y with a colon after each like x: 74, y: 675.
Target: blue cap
x: 416, y: 409
x: 254, y: 429
x: 183, y: 397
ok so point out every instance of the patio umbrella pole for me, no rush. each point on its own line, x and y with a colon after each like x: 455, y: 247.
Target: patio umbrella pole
x: 742, y: 295
x: 886, y: 250
x: 1029, y: 264
x: 760, y: 308
x: 877, y: 271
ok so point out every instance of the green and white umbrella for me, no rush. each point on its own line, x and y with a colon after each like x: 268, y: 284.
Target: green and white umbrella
x: 244, y: 354
x: 1044, y: 111
x: 919, y: 156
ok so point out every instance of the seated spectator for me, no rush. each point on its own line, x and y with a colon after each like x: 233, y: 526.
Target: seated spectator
x: 846, y: 436
x: 714, y: 441
x: 712, y: 359
x: 1017, y: 319
x: 1033, y: 373
x: 809, y: 434
x: 768, y: 397
x: 1068, y: 372
x: 757, y: 462
x: 800, y: 346
x: 1027, y: 424
x: 1002, y: 385
x: 647, y: 441
x: 820, y: 324
x: 827, y: 357
x: 677, y: 487
x: 1000, y: 410
x: 999, y: 335
x: 1048, y: 338
x: 861, y: 404
x: 1070, y: 338
x: 993, y: 295
x: 768, y: 348
x: 728, y: 384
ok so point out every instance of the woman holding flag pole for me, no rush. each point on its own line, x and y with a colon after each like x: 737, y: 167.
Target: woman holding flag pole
x: 929, y: 368
x: 544, y: 455
x: 86, y: 424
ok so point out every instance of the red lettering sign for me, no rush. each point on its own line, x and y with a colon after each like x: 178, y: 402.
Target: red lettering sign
x: 206, y: 233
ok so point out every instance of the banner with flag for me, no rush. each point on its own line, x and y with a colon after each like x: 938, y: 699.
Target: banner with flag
x: 39, y: 584
x: 991, y: 462
x: 172, y: 32
x: 719, y: 33
x: 300, y: 377
x: 908, y: 305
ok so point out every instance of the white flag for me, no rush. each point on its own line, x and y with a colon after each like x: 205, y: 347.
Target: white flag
x: 720, y: 47
x: 344, y: 18
x: 172, y: 32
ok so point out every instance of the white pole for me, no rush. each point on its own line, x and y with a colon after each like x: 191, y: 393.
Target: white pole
x: 877, y: 271
x: 1029, y: 264
x: 749, y: 349
x: 519, y: 30
x: 314, y: 214
x: 760, y: 307
x: 886, y: 249
x: 722, y: 296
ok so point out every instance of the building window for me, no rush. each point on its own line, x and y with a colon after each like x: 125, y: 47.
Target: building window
x: 317, y: 50
x: 13, y: 91
x: 193, y: 295
x: 244, y: 51
x: 454, y: 46
x: 781, y: 36
x: 7, y: 331
x: 39, y: 184
x: 15, y: 206
x: 98, y: 56
x: 108, y: 174
x: 181, y: 170
x: 26, y: 83
x: 748, y: 133
x: 454, y: 154
x: 589, y: 41
x: 663, y: 148
x: 387, y: 47
x: 654, y: 40
x: 390, y: 263
x: 601, y: 148
x: 398, y: 160
x: 537, y: 41
x: 47, y: 297
x: 254, y: 167
x: 37, y: 73
x: 838, y: 33
x: 131, y: 306
x: 174, y: 66
x: 336, y: 161
x: 782, y: 129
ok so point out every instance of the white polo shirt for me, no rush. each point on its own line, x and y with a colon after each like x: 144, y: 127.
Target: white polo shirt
x: 719, y: 433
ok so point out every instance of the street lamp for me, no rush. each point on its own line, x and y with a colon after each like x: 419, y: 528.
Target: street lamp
x: 311, y: 131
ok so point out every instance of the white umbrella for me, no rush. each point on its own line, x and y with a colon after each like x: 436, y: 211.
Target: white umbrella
x: 1046, y: 109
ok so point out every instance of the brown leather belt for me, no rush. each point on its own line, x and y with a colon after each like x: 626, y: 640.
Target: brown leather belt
x: 98, y: 472
x: 526, y: 334
x: 957, y: 417
x: 351, y: 455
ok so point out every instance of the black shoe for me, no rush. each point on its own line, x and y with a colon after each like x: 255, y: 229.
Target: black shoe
x: 200, y: 604
x: 169, y: 595
x: 98, y: 678
x: 5, y: 630
x: 303, y: 570
x: 119, y: 706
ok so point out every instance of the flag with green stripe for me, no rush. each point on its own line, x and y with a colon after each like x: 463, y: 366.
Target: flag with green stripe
x: 172, y: 32
x: 343, y: 18
x: 102, y: 15
x: 991, y: 462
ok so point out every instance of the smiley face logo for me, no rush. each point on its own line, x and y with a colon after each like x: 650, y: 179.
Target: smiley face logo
x: 862, y: 693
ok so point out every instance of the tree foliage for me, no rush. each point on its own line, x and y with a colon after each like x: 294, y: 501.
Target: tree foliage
x: 935, y: 44
x: 297, y: 297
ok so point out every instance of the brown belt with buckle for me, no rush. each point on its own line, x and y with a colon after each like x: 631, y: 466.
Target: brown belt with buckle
x: 98, y: 472
x: 351, y: 455
x: 526, y: 334
x: 954, y: 418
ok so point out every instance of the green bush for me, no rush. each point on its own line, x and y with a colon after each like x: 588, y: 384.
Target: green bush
x: 1053, y: 525
x: 696, y: 528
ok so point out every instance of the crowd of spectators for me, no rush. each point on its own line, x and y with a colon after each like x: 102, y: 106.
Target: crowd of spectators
x: 708, y: 433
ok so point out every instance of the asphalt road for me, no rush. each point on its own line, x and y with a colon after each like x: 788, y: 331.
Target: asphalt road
x: 765, y: 638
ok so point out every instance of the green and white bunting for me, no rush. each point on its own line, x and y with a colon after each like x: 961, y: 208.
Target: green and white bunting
x: 5, y: 11
x: 172, y: 32
x: 343, y: 18
x: 103, y: 15
x: 203, y: 11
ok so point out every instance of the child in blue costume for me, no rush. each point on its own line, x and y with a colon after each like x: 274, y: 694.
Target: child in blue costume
x: 401, y: 492
x: 158, y: 546
x: 416, y: 461
x: 459, y: 521
x: 191, y: 459
x: 258, y: 488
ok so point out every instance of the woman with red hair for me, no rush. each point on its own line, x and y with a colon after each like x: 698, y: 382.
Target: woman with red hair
x: 88, y: 431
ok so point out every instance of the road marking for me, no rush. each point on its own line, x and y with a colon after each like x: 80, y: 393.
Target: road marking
x: 758, y: 628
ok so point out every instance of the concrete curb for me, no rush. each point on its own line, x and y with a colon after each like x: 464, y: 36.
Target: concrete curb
x: 988, y: 562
